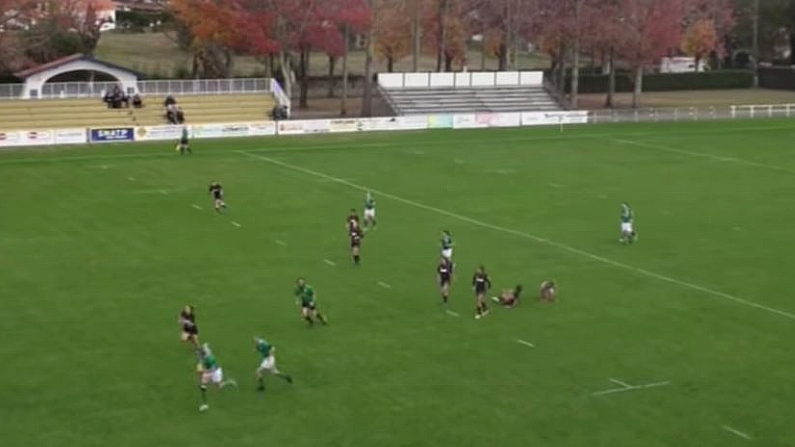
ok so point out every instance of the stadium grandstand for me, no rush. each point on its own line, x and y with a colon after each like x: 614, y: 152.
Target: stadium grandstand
x: 73, y: 92
x: 476, y: 92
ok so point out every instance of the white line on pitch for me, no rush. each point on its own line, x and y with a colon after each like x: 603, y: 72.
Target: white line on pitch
x: 132, y: 179
x: 330, y: 262
x: 453, y: 313
x: 618, y: 382
x: 236, y: 224
x: 538, y: 239
x: 164, y: 192
x: 630, y: 388
x: 738, y: 161
x: 384, y: 285
x: 555, y: 185
x: 736, y: 432
x: 526, y: 343
x: 280, y: 242
x: 197, y: 207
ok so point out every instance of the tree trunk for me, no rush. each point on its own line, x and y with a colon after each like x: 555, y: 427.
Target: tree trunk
x: 442, y: 35
x: 344, y: 101
x: 367, y: 103
x: 502, y: 57
x: 575, y: 72
x: 390, y: 64
x: 698, y: 62
x: 416, y: 36
x: 287, y: 74
x: 483, y: 51
x: 561, y: 82
x: 448, y: 62
x: 638, y: 87
x: 611, y: 80
x: 755, y: 43
x: 303, y: 100
x: 332, y: 64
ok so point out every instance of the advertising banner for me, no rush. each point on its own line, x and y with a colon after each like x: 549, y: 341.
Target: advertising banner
x: 234, y: 130
x: 551, y: 118
x: 344, y: 125
x: 378, y: 124
x: 158, y: 133
x: 9, y: 139
x: 416, y: 122
x: 112, y: 135
x: 71, y: 136
x: 304, y: 127
x: 37, y: 138
x: 500, y: 119
x: 468, y: 121
x: 440, y: 121
x: 262, y: 129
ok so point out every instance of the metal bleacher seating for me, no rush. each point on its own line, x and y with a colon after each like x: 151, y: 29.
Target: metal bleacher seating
x: 465, y: 93
x: 41, y: 114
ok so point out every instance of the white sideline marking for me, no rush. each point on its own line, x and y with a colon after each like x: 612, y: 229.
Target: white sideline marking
x: 620, y: 383
x: 451, y: 142
x: 419, y: 153
x: 526, y: 343
x: 330, y: 262
x: 197, y: 207
x: 132, y: 179
x: 556, y: 185
x: 164, y: 192
x: 738, y: 161
x: 540, y: 240
x: 99, y: 167
x: 384, y: 285
x: 280, y: 242
x: 236, y: 224
x: 459, y: 161
x: 736, y: 432
x: 628, y: 387
x: 453, y: 313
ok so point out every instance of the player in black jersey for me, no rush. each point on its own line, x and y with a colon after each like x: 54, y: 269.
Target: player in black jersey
x: 509, y: 298
x: 352, y: 221
x: 444, y: 272
x: 481, y: 283
x: 217, y: 191
x: 190, y: 331
x: 356, y: 241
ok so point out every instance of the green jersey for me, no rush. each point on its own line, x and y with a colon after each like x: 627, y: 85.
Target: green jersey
x: 209, y: 362
x: 447, y: 242
x: 306, y: 294
x: 627, y: 215
x: 264, y: 348
x: 369, y: 203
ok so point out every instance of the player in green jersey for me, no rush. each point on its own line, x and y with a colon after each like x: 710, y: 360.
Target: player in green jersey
x: 369, y: 211
x: 447, y: 245
x: 628, y: 235
x: 305, y: 296
x: 268, y: 364
x: 184, y: 143
x: 210, y: 372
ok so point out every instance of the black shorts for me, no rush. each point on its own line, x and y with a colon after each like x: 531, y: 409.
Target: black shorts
x: 190, y: 330
x: 183, y: 142
x: 309, y: 307
x: 356, y: 244
x: 481, y: 290
x: 445, y: 281
x: 217, y: 196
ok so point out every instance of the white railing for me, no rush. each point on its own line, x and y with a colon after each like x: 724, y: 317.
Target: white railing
x: 693, y: 113
x: 461, y: 80
x: 181, y: 87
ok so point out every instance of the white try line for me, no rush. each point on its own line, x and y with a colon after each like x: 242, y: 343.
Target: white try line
x: 196, y: 207
x: 398, y: 144
x: 384, y: 285
x: 734, y: 160
x: 330, y: 262
x: 526, y: 343
x: 737, y: 432
x: 627, y: 387
x: 538, y: 239
x: 236, y: 224
x: 280, y: 242
x: 452, y: 313
x: 132, y: 179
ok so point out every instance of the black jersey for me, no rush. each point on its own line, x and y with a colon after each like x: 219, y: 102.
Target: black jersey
x: 217, y: 191
x: 445, y: 272
x: 188, y: 320
x: 356, y: 237
x: 481, y: 282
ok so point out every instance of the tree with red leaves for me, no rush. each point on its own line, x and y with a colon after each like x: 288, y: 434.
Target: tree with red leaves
x: 651, y: 29
x: 707, y: 23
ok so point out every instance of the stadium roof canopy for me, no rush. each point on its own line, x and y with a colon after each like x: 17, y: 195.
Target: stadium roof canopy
x: 80, y: 66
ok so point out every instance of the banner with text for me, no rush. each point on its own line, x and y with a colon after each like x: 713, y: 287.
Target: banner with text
x: 158, y: 133
x: 345, y: 125
x: 304, y: 127
x: 111, y: 135
x: 71, y: 136
x: 262, y: 129
x: 440, y: 121
x: 37, y: 138
x: 10, y: 139
x: 552, y: 118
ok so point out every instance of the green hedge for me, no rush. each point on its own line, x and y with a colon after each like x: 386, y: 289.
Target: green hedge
x: 663, y: 82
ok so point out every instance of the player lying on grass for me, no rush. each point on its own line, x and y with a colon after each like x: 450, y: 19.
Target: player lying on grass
x: 190, y: 331
x: 548, y: 291
x: 210, y: 372
x: 268, y: 364
x: 305, y: 295
x: 509, y: 297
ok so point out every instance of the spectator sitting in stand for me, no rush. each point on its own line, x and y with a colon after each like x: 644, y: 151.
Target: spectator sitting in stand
x: 137, y: 101
x: 170, y: 101
x: 180, y: 115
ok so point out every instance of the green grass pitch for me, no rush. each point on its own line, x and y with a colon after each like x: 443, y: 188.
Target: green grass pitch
x: 101, y: 246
